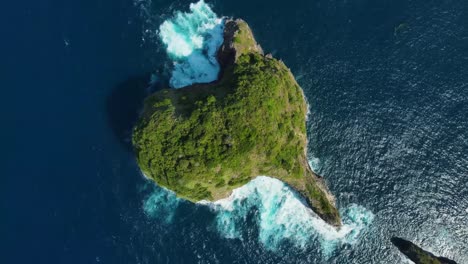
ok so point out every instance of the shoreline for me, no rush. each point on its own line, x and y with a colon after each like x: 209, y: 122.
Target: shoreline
x: 309, y: 185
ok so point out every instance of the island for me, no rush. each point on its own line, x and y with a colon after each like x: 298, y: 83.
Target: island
x: 204, y: 140
x: 417, y: 254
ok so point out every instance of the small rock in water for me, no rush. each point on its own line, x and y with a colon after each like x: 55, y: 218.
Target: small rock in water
x: 417, y: 254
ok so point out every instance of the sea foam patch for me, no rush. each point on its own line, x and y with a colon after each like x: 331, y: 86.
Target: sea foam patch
x: 192, y: 40
x: 161, y: 204
x: 282, y: 215
x: 315, y: 164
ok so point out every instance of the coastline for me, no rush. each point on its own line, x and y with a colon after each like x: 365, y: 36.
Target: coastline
x: 312, y: 187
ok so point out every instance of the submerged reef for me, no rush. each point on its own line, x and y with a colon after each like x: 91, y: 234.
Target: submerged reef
x: 417, y: 254
x: 204, y: 140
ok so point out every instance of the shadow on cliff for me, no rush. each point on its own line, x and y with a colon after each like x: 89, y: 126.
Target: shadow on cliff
x: 124, y: 104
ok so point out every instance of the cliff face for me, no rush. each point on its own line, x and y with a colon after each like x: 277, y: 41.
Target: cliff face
x: 238, y: 40
x: 204, y: 140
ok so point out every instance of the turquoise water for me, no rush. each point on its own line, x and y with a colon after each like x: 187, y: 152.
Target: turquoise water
x: 280, y: 212
x: 282, y: 215
x: 387, y: 86
x: 192, y: 40
x: 277, y: 212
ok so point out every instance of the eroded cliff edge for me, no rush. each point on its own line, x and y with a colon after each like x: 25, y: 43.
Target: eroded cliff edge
x: 204, y: 140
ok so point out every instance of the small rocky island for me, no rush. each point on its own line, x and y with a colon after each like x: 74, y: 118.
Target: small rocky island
x: 204, y: 140
x: 417, y: 254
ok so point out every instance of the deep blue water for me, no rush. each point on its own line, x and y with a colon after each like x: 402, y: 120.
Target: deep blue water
x: 388, y: 125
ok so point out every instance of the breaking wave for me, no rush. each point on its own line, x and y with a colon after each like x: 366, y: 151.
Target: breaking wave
x: 192, y: 40
x: 161, y: 204
x: 315, y: 164
x: 282, y: 215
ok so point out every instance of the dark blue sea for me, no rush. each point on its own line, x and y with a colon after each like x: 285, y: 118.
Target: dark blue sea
x: 387, y: 85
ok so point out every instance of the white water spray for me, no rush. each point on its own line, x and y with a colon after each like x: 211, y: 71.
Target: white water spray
x: 282, y: 215
x: 192, y: 40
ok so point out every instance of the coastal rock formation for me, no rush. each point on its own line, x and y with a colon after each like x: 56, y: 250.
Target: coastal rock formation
x: 238, y: 40
x: 204, y: 140
x: 417, y: 254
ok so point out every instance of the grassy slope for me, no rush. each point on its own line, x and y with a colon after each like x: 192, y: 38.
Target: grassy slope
x: 205, y: 140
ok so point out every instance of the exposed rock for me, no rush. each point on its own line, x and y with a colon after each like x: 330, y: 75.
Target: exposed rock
x: 417, y: 254
x: 204, y: 140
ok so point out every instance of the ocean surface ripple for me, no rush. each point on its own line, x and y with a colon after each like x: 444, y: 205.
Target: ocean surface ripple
x: 192, y: 40
x: 387, y: 88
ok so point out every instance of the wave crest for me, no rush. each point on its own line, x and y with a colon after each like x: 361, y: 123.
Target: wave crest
x: 282, y: 215
x: 192, y: 40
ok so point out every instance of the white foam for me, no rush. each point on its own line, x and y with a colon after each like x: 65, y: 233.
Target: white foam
x: 282, y: 216
x: 192, y: 40
x: 161, y: 204
x: 315, y: 164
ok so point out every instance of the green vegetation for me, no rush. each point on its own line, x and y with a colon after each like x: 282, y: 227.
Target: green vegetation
x: 243, y: 41
x: 205, y: 140
x: 319, y: 201
x: 202, y: 144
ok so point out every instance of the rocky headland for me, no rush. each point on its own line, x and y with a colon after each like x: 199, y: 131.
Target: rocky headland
x: 204, y: 140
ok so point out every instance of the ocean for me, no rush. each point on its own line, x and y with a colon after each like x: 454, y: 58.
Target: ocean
x: 387, y: 86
